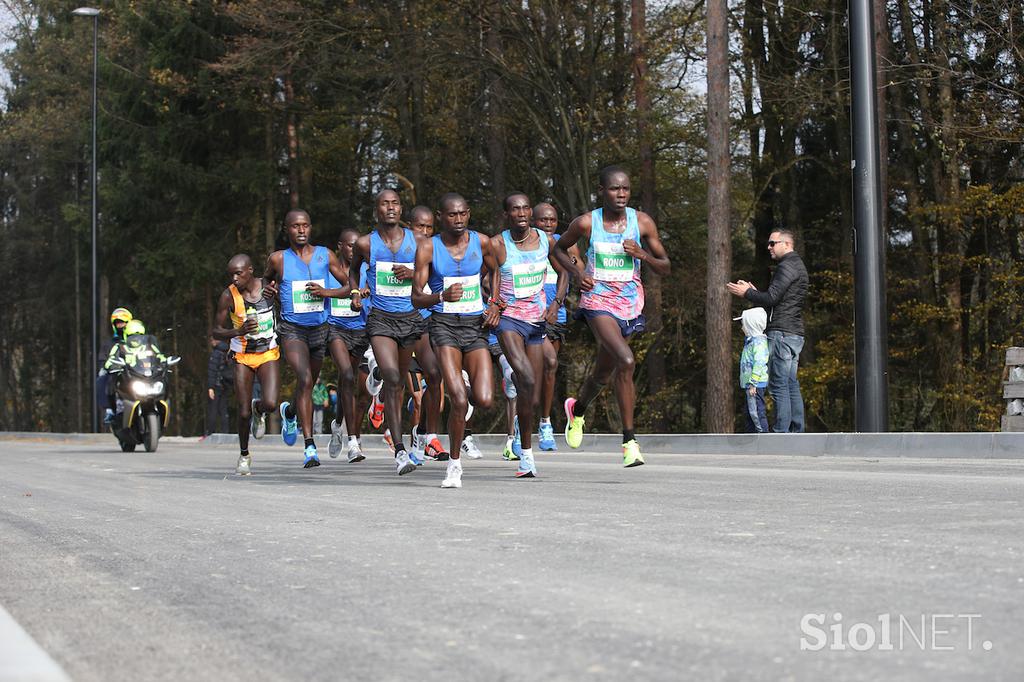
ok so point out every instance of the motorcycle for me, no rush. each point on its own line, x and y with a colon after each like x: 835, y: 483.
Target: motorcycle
x: 143, y: 409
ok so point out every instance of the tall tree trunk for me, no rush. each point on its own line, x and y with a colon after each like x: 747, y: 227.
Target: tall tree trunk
x: 496, y: 100
x: 720, y: 416
x: 655, y: 361
x: 292, y: 131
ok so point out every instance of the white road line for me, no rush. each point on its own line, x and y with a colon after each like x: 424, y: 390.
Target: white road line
x: 21, y: 659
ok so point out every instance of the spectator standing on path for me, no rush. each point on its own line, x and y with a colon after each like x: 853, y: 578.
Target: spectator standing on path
x: 219, y: 379
x: 784, y: 302
x: 754, y: 368
x: 321, y: 399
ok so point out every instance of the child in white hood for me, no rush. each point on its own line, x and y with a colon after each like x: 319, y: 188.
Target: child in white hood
x: 754, y: 368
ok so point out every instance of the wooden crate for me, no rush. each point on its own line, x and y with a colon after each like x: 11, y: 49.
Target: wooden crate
x: 1014, y: 356
x: 1015, y: 423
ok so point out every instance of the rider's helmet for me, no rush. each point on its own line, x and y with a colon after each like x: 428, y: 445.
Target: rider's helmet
x: 134, y: 328
x: 119, y: 315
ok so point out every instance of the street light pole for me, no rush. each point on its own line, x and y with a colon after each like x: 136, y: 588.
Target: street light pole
x: 871, y: 386
x: 95, y: 14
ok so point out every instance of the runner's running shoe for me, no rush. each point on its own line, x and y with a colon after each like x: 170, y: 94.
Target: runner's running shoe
x: 469, y: 448
x: 402, y: 463
x: 355, y: 452
x: 244, y: 466
x: 517, y: 440
x: 436, y: 451
x: 547, y: 437
x: 312, y: 460
x: 573, y: 425
x: 453, y: 477
x: 527, y: 469
x: 631, y: 456
x: 418, y: 443
x: 388, y: 440
x: 375, y: 413
x: 289, y: 427
x: 508, y: 453
x: 337, y: 439
x: 257, y: 422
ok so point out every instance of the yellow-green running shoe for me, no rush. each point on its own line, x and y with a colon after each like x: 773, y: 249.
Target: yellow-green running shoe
x: 573, y: 425
x: 508, y: 453
x: 631, y: 456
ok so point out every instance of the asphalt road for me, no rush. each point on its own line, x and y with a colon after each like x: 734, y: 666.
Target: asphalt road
x: 167, y: 566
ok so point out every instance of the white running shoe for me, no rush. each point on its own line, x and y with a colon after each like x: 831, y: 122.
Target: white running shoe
x: 469, y: 448
x: 257, y: 422
x: 453, y: 476
x: 402, y: 463
x: 373, y: 380
x: 355, y: 452
x: 244, y: 466
x: 418, y: 444
x: 337, y: 438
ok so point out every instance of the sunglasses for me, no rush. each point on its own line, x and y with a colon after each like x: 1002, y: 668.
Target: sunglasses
x: 771, y: 243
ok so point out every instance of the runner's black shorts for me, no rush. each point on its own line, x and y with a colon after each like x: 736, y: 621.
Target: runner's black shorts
x: 405, y: 328
x: 465, y: 332
x: 315, y: 338
x: 355, y: 340
x: 556, y: 331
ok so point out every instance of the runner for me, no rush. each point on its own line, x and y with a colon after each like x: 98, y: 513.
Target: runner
x: 451, y: 263
x: 508, y: 386
x: 299, y: 276
x: 393, y: 325
x: 612, y: 299
x: 425, y: 442
x: 252, y: 336
x: 519, y: 261
x: 545, y: 217
x: 347, y: 342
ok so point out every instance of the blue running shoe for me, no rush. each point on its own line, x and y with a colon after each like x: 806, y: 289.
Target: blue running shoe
x: 312, y: 460
x: 415, y: 458
x: 547, y: 437
x: 517, y: 441
x: 289, y: 427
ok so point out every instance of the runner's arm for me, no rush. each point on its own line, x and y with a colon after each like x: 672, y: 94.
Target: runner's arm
x: 421, y: 275
x: 655, y: 255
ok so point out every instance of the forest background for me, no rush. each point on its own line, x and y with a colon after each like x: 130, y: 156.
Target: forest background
x: 217, y: 116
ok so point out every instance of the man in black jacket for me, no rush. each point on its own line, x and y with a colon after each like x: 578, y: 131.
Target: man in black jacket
x: 784, y: 302
x: 219, y: 378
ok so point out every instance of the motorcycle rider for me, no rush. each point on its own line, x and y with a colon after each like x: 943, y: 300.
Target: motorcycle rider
x: 135, y: 342
x: 104, y: 388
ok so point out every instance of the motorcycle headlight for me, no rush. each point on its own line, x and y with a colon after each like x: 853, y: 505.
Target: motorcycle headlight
x: 140, y: 388
x: 158, y: 387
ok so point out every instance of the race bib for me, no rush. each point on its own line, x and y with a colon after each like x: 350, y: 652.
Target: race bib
x: 302, y: 300
x: 388, y: 284
x: 528, y: 279
x: 612, y: 263
x: 551, y: 277
x: 342, y: 307
x: 265, y: 320
x: 471, y: 301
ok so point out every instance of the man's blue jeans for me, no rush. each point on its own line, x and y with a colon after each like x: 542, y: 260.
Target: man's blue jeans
x: 783, y: 385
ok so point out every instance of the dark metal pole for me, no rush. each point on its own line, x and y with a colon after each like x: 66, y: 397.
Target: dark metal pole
x: 95, y: 267
x: 870, y: 324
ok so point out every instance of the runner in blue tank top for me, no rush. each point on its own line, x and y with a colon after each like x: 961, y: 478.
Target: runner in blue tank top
x: 394, y: 325
x: 612, y: 298
x: 347, y: 341
x: 425, y: 442
x: 521, y: 255
x: 452, y: 263
x: 545, y: 218
x: 299, y: 276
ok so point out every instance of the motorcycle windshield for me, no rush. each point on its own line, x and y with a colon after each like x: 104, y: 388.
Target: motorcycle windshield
x: 143, y: 360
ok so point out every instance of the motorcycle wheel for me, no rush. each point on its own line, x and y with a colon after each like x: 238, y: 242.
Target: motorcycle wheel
x: 152, y: 431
